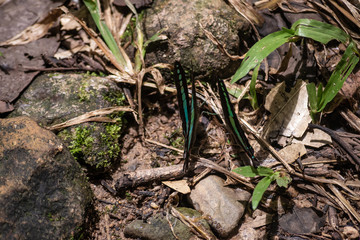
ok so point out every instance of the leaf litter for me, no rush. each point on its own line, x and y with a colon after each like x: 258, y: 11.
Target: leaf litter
x: 142, y: 156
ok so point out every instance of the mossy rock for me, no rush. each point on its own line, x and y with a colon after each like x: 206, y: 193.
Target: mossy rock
x: 55, y: 98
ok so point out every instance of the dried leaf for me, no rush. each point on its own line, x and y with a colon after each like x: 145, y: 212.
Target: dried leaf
x: 315, y: 138
x: 36, y: 31
x: 181, y: 186
x: 289, y: 111
x: 292, y: 152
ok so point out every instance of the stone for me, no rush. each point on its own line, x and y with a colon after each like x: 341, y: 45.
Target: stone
x: 43, y: 191
x: 301, y: 221
x: 157, y: 227
x: 55, y: 98
x: 224, y: 206
x: 187, y: 42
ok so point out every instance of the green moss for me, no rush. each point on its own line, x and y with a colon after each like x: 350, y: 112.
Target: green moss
x: 53, y: 74
x: 111, y: 141
x: 81, y: 143
x: 176, y: 140
x: 115, y: 98
x: 85, y: 92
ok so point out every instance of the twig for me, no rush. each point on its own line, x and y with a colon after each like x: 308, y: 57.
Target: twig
x: 190, y: 223
x: 338, y: 140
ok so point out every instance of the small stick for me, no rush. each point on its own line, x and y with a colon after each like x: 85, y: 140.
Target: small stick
x: 337, y: 139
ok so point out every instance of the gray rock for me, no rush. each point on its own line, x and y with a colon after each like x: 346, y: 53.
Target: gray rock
x: 43, y: 192
x: 157, y: 227
x: 55, y: 98
x: 224, y: 206
x: 302, y: 221
x: 187, y: 41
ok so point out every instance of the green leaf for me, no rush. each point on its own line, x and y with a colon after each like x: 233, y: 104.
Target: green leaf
x: 246, y: 171
x: 94, y: 10
x: 319, y: 93
x: 283, y: 181
x: 311, y: 89
x: 265, y: 171
x: 319, y: 31
x: 252, y: 90
x: 259, y: 191
x: 340, y: 74
x: 261, y: 50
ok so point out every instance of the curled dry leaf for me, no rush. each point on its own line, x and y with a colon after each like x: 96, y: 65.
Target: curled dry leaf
x: 289, y: 111
x: 36, y: 31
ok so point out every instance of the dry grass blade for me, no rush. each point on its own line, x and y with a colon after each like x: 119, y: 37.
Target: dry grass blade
x: 198, y: 229
x: 100, y: 43
x: 36, y: 31
x: 247, y: 11
x: 92, y: 116
x: 345, y: 202
x: 327, y: 181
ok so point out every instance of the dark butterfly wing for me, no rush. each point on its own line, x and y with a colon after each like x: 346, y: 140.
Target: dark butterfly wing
x: 182, y: 96
x: 188, y: 111
x: 192, y: 124
x: 232, y: 121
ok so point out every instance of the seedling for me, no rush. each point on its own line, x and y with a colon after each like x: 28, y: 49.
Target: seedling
x: 303, y: 28
x: 282, y: 179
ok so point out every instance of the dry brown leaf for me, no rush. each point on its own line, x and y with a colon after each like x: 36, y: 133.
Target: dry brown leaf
x: 289, y: 111
x: 36, y: 31
x: 315, y: 138
x: 180, y: 185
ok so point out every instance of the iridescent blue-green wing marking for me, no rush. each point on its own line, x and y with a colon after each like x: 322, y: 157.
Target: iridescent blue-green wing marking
x: 188, y: 110
x: 192, y: 124
x: 182, y: 96
x: 232, y: 121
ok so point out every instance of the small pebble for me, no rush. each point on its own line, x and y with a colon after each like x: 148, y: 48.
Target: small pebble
x: 154, y: 205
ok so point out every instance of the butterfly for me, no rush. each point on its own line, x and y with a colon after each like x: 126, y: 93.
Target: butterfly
x: 188, y: 110
x: 232, y: 121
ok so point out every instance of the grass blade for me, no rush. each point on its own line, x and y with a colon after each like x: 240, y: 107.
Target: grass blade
x: 340, y: 74
x: 319, y: 31
x: 252, y: 90
x: 261, y: 50
x: 94, y: 9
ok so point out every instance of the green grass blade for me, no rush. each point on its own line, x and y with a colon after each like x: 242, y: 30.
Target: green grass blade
x: 319, y: 93
x: 265, y: 171
x: 252, y: 90
x: 246, y: 171
x: 259, y: 191
x: 340, y: 74
x: 105, y: 31
x: 261, y: 50
x: 311, y: 89
x: 319, y: 31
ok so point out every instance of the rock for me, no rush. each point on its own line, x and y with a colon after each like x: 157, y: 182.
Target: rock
x: 301, y: 221
x: 43, y: 192
x: 55, y: 98
x: 223, y: 205
x: 187, y: 41
x: 157, y: 227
